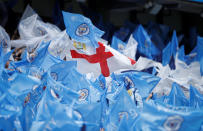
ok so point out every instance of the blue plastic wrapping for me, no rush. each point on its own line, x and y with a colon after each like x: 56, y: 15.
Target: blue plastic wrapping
x: 176, y: 97
x: 10, y: 109
x: 143, y: 83
x: 161, y: 118
x: 81, y: 29
x: 200, y: 53
x: 170, y: 50
x: 118, y: 112
x: 181, y: 53
x: 51, y: 114
x: 145, y: 45
x: 118, y: 44
x: 196, y: 99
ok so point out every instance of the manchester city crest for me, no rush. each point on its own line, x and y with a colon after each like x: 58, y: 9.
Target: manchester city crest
x: 4, y: 44
x: 41, y: 31
x: 32, y: 56
x: 122, y: 115
x: 54, y: 75
x: 146, y: 43
x: 128, y: 82
x: 173, y: 123
x: 120, y: 47
x: 82, y: 30
x: 83, y: 94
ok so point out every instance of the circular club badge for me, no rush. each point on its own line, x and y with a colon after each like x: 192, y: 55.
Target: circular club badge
x: 32, y: 56
x: 122, y: 114
x: 173, y: 123
x: 82, y: 30
x: 54, y: 75
x: 4, y: 44
x: 83, y: 94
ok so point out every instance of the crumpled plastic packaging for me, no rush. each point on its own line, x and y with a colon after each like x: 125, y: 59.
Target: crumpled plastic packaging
x: 5, y: 40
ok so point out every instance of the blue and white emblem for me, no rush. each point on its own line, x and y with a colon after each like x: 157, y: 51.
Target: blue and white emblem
x: 32, y: 56
x: 120, y: 47
x: 173, y: 123
x: 122, y: 114
x: 128, y: 82
x: 4, y: 44
x: 41, y: 31
x: 54, y: 75
x: 82, y: 30
x: 83, y: 94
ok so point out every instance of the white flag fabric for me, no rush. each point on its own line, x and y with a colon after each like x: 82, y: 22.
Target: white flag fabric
x: 102, y: 60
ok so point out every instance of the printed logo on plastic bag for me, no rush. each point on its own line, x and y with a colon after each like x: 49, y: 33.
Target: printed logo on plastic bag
x: 83, y: 94
x: 173, y: 123
x: 82, y: 30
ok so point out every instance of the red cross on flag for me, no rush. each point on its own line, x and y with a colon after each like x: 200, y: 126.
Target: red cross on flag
x: 102, y: 60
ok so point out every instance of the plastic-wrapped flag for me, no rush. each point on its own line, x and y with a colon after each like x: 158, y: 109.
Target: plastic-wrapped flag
x: 91, y: 115
x: 118, y: 44
x: 196, y: 99
x: 42, y: 58
x: 192, y: 56
x: 176, y: 97
x: 138, y: 84
x: 36, y: 62
x: 66, y: 74
x: 118, y: 111
x: 33, y: 31
x: 58, y: 45
x: 131, y: 48
x: 169, y: 76
x: 124, y: 126
x: 156, y: 34
x: 28, y: 12
x: 102, y: 60
x: 5, y: 40
x: 160, y: 118
x: 181, y: 53
x: 31, y: 105
x: 21, y: 88
x: 4, y: 57
x: 200, y: 53
x: 113, y: 91
x: 51, y: 114
x: 10, y: 109
x: 100, y: 83
x: 81, y: 29
x: 170, y: 50
x: 174, y: 42
x: 128, y: 49
x: 22, y: 84
x: 145, y: 45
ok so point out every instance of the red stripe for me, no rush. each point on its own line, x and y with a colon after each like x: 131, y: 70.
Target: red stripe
x: 100, y: 57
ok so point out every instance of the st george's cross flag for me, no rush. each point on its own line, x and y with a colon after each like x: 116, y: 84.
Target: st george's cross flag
x: 99, y: 59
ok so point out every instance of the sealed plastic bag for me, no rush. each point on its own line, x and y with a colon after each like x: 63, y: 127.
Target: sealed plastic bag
x: 145, y: 46
x: 160, y: 118
x: 5, y: 40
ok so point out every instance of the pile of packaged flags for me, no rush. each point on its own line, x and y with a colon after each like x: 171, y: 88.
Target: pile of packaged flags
x: 73, y: 80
